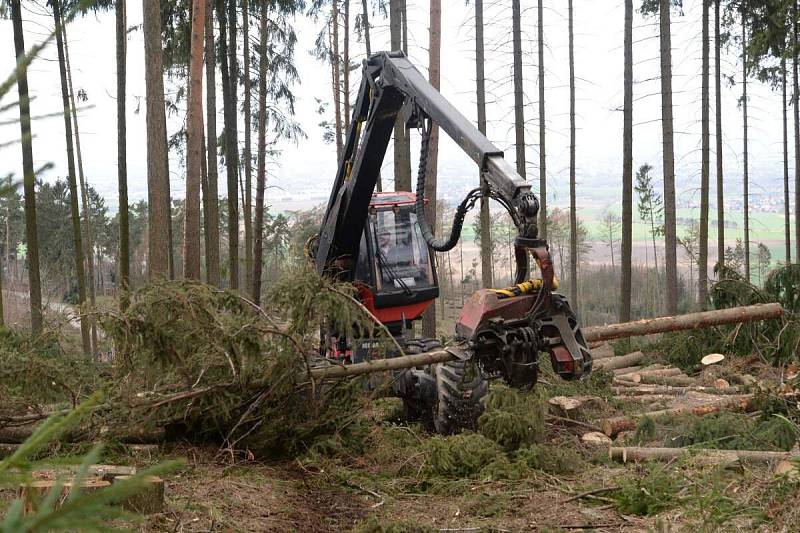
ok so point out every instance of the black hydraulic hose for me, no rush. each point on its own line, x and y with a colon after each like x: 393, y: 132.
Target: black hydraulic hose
x: 461, y: 212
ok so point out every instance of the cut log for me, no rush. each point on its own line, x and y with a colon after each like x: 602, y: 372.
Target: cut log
x: 632, y: 389
x: 622, y: 361
x: 637, y: 377
x: 646, y: 398
x: 595, y: 438
x: 598, y: 333
x: 612, y: 426
x: 627, y: 371
x: 602, y: 351
x: 150, y: 500
x: 681, y: 380
x: 706, y: 455
x: 31, y: 493
x: 748, y: 313
x: 571, y: 406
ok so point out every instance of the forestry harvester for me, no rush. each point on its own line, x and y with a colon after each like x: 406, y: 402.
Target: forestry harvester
x: 382, y: 243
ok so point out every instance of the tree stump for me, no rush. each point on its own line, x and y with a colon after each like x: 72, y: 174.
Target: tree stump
x: 149, y: 500
x: 33, y: 492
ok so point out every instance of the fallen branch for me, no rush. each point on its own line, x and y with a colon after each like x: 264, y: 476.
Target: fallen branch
x: 633, y: 453
x: 615, y: 425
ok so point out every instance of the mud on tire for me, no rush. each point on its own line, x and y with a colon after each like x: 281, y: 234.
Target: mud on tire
x: 460, y: 385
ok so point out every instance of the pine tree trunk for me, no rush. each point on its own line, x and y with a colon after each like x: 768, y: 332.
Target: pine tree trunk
x: 670, y: 236
x: 702, y: 263
x: 337, y: 77
x: 786, y: 205
x: 402, y: 161
x: 194, y: 144
x: 211, y: 197
x: 487, y: 273
x: 86, y: 211
x: 542, y: 150
x: 718, y: 124
x: 746, y: 174
x: 124, y: 258
x: 262, y: 154
x: 519, y: 104
x: 73, y: 185
x: 233, y: 156
x: 365, y: 20
x: 346, y: 65
x: 231, y: 167
x: 626, y: 247
x: 158, y: 219
x: 434, y: 74
x: 573, y: 208
x: 796, y: 102
x: 247, y: 199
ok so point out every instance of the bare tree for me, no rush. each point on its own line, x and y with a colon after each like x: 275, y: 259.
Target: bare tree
x: 124, y: 258
x: 796, y: 102
x: 787, y: 217
x: 28, y: 173
x: 261, y: 148
x: 542, y: 151
x: 402, y: 154
x: 487, y: 273
x: 194, y: 144
x: 247, y: 197
x: 519, y: 103
x: 434, y: 75
x: 627, y: 171
x: 746, y: 177
x: 718, y: 124
x: 573, y: 208
x: 702, y: 262
x: 211, y: 197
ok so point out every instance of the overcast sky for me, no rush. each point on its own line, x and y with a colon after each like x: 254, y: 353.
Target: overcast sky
x: 311, y: 163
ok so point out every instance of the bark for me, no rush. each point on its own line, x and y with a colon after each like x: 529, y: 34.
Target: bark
x: 29, y: 175
x: 434, y: 74
x: 337, y: 78
x: 796, y: 102
x: 262, y: 153
x: 702, y: 260
x: 573, y: 208
x: 542, y: 150
x: 346, y: 64
x: 194, y: 145
x: 211, y: 200
x: 626, y: 245
x: 718, y: 124
x: 705, y: 455
x: 87, y: 223
x: 487, y: 273
x: 365, y: 22
x: 619, y: 372
x: 667, y: 130
x: 702, y: 319
x: 402, y: 160
x: 124, y: 258
x: 746, y: 170
x: 233, y: 155
x: 787, y: 208
x: 158, y: 219
x: 247, y: 199
x: 622, y: 361
x: 519, y: 104
x: 615, y: 425
x: 73, y: 185
x: 231, y: 149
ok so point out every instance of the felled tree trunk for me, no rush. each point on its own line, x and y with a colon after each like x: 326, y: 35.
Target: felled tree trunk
x: 623, y: 361
x: 625, y: 454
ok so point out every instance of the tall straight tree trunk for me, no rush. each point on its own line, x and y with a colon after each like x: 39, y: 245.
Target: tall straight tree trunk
x: 365, y: 22
x: 28, y: 173
x: 211, y: 199
x: 87, y: 222
x: 746, y: 173
x: 158, y: 218
x: 346, y: 64
x: 122, y: 158
x: 194, y: 145
x: 573, y: 213
x: 542, y: 150
x: 519, y: 104
x: 487, y: 273
x: 718, y: 124
x: 262, y: 155
x: 231, y: 167
x: 796, y: 103
x: 434, y: 75
x: 667, y: 130
x: 402, y: 161
x: 247, y: 200
x: 702, y: 261
x: 73, y: 185
x: 233, y: 155
x: 787, y: 223
x: 626, y: 246
x: 337, y: 78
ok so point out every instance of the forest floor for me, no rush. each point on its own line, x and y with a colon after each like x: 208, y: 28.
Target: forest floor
x: 387, y: 484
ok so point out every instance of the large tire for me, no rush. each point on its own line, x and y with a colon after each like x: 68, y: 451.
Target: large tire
x: 460, y: 386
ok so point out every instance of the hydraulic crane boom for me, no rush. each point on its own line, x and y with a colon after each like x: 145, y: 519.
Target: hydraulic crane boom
x: 391, y: 85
